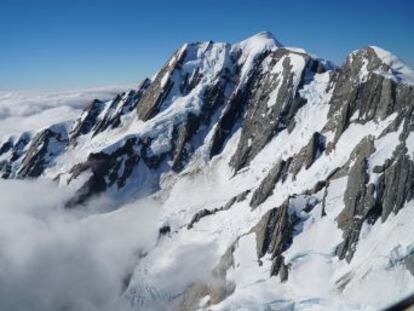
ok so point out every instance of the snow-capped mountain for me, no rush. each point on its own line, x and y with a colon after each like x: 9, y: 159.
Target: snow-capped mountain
x: 283, y: 182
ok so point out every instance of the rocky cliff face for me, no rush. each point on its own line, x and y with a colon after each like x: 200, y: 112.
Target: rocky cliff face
x: 279, y: 162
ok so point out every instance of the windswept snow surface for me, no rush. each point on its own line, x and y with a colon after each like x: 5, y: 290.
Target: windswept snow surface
x: 251, y: 48
x: 398, y: 70
x: 395, y: 69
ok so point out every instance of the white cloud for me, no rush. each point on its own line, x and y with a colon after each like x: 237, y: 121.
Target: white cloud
x: 27, y: 111
x: 55, y: 259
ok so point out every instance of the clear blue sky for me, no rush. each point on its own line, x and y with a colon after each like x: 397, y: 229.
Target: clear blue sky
x: 65, y: 44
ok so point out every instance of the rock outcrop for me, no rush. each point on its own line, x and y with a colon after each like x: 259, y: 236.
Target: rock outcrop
x: 395, y: 186
x: 107, y: 169
x: 88, y: 119
x: 274, y: 235
x: 277, y: 173
x: 273, y: 101
x: 363, y: 92
x: 206, y: 212
x: 308, y: 154
x: 45, y: 146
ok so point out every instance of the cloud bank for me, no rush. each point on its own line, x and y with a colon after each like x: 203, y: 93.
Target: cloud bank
x: 27, y: 111
x: 54, y: 259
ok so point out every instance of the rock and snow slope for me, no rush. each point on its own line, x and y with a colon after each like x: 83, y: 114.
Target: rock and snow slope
x: 282, y: 181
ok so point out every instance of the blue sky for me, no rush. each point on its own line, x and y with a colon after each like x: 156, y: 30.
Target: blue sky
x: 65, y: 44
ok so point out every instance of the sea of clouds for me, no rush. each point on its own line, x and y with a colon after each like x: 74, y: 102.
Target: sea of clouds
x: 57, y: 259
x: 52, y: 258
x: 30, y: 110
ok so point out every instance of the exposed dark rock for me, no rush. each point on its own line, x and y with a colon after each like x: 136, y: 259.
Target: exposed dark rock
x: 20, y: 145
x: 359, y: 200
x: 279, y: 268
x: 159, y: 89
x: 197, y: 217
x: 268, y: 114
x: 314, y: 149
x: 106, y: 170
x: 346, y: 249
x: 265, y: 119
x: 120, y: 106
x: 351, y: 86
x: 274, y: 235
x: 343, y: 281
x: 308, y: 154
x: 226, y: 124
x: 185, y: 136
x: 87, y: 121
x: 283, y: 271
x: 355, y: 192
x: 6, y: 165
x: 242, y: 196
x: 238, y: 198
x: 5, y: 169
x: 6, y: 147
x: 164, y: 230
x: 276, y: 229
x: 319, y: 186
x: 181, y: 138
x: 369, y: 97
x: 265, y: 189
x: 153, y: 161
x: 396, y: 187
x: 409, y: 263
x: 105, y: 122
x: 378, y: 169
x: 12, y: 151
x: 325, y: 195
x: 367, y: 202
x: 238, y: 102
x: 45, y: 146
x: 205, y: 212
x: 229, y: 120
x: 92, y: 121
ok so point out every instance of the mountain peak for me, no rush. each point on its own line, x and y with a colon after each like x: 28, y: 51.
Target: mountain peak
x: 262, y: 38
x: 376, y: 59
x: 397, y: 68
x: 264, y: 35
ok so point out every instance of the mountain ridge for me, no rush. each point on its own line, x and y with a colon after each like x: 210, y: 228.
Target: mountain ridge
x: 274, y: 160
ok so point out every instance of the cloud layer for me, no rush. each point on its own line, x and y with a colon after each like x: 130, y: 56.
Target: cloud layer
x: 53, y: 259
x: 27, y: 111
